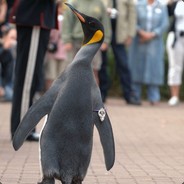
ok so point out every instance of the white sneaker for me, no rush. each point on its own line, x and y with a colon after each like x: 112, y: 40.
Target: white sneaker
x: 173, y: 101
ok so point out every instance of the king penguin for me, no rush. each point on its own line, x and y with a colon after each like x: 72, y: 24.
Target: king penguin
x: 73, y: 105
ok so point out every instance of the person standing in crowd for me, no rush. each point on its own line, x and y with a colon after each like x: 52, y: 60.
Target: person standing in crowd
x: 72, y: 34
x: 175, y: 50
x: 34, y: 20
x: 56, y: 56
x: 104, y: 80
x: 3, y: 11
x: 7, y: 43
x: 146, y: 54
x: 123, y: 23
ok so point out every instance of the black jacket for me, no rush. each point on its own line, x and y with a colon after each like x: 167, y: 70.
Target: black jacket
x: 35, y: 13
x: 171, y: 7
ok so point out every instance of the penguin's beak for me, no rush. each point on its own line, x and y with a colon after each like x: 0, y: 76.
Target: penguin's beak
x: 77, y: 13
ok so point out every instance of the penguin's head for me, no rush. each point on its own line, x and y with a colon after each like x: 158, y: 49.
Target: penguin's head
x: 92, y: 28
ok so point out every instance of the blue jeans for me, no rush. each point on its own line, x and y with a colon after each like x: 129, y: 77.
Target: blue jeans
x: 8, y: 92
x: 153, y: 92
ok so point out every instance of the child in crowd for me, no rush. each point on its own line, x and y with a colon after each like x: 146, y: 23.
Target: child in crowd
x: 55, y: 58
x: 8, y: 42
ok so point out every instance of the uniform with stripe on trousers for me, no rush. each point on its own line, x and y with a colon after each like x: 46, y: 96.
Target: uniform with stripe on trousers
x: 34, y: 20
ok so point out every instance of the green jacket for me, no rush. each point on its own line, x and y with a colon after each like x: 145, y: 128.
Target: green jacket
x: 126, y: 20
x: 71, y: 25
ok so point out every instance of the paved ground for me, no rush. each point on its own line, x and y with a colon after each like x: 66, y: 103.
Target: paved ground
x: 149, y: 148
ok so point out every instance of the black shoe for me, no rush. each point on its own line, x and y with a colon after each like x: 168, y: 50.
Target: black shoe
x: 33, y: 137
x: 133, y: 101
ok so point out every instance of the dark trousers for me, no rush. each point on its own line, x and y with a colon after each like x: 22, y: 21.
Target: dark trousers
x: 122, y: 68
x: 104, y: 80
x: 7, y: 65
x: 28, y: 70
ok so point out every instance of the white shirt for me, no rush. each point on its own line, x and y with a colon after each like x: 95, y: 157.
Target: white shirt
x: 149, y: 16
x: 179, y: 13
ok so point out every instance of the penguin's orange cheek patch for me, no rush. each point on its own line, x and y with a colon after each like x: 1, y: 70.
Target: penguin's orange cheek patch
x: 96, y: 37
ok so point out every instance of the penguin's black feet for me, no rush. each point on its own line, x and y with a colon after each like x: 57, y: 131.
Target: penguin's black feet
x: 77, y: 181
x: 47, y: 181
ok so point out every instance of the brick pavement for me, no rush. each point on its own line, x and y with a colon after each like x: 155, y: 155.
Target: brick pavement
x: 149, y: 148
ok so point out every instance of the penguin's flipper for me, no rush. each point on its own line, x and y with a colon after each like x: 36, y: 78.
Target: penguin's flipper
x: 106, y: 137
x: 39, y: 109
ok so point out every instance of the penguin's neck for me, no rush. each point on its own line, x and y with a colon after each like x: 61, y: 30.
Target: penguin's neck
x: 86, y: 53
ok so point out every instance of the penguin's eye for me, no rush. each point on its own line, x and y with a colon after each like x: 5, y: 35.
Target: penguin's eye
x: 92, y: 24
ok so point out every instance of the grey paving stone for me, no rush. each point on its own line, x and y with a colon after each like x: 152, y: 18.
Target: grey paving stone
x: 149, y: 148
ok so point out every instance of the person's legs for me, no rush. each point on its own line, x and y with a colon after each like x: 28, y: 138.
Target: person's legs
x: 137, y: 88
x: 19, y: 74
x: 31, y: 49
x: 175, y: 89
x: 8, y: 93
x: 104, y: 82
x: 7, y: 64
x: 7, y: 67
x: 170, y: 54
x: 175, y: 71
x: 38, y: 75
x: 153, y: 94
x: 123, y: 70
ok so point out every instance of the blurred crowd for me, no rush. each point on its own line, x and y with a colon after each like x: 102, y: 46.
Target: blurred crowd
x: 7, y: 53
x: 134, y: 32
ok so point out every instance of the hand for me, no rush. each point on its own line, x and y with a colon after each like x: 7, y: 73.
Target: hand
x: 68, y: 47
x: 145, y: 36
x: 9, y: 40
x: 128, y: 41
x: 104, y: 47
x: 112, y: 12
